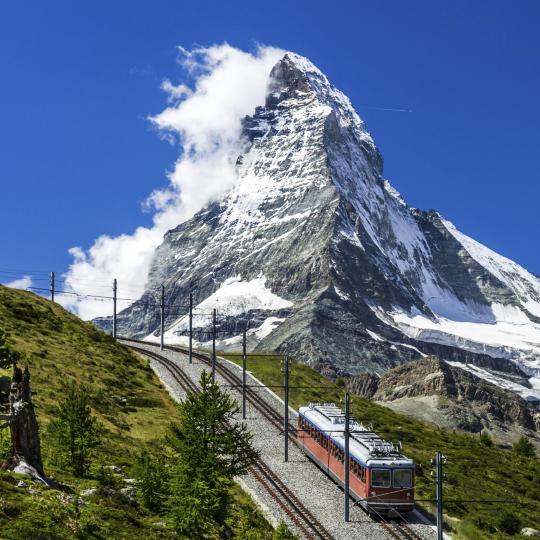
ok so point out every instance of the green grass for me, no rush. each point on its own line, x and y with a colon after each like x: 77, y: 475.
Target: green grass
x: 473, y: 470
x: 127, y: 399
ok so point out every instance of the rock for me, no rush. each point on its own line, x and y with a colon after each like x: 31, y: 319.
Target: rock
x: 119, y: 496
x: 113, y: 468
x: 364, y: 385
x: 465, y: 400
x: 159, y: 524
x: 21, y: 484
x: 528, y: 531
x: 88, y: 492
x: 28, y: 470
x: 129, y: 492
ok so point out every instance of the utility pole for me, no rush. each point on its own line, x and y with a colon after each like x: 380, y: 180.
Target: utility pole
x: 214, y: 344
x: 190, y: 328
x: 286, y: 410
x: 439, y: 458
x: 114, y: 308
x: 52, y: 287
x: 162, y: 340
x: 346, y: 460
x: 244, y: 362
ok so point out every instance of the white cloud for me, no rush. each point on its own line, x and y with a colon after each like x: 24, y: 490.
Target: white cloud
x: 21, y: 283
x: 227, y: 85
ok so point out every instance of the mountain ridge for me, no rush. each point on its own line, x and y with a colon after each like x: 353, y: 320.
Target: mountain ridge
x: 369, y: 281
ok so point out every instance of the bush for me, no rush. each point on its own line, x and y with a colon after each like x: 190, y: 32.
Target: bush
x: 105, y: 476
x: 282, y: 532
x: 485, y: 439
x: 524, y: 447
x: 152, y: 481
x: 509, y: 523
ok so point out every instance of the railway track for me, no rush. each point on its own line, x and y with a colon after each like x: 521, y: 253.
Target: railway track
x: 304, y: 520
x: 398, y: 530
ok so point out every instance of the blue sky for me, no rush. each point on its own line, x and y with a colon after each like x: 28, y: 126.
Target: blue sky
x: 79, y: 79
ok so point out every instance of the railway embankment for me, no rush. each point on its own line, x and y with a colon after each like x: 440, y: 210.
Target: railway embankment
x: 300, y: 483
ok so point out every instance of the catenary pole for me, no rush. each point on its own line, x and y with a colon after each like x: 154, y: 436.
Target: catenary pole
x: 190, y: 328
x: 346, y: 460
x: 439, y: 464
x: 244, y: 362
x: 114, y: 308
x: 286, y: 410
x: 162, y: 338
x: 214, y: 344
x: 52, y: 287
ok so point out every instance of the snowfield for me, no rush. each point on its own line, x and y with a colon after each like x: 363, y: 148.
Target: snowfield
x: 234, y: 297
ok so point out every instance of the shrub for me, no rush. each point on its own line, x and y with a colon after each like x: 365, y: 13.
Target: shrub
x: 524, y: 447
x: 509, y: 523
x: 485, y: 439
x: 152, y: 481
x: 282, y: 532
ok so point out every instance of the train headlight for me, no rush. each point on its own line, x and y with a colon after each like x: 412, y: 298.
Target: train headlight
x: 408, y: 494
x: 373, y: 493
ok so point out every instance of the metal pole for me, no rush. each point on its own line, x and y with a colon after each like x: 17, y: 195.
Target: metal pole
x: 346, y: 460
x: 52, y: 287
x: 214, y: 344
x: 286, y: 411
x: 439, y: 465
x: 114, y: 309
x: 162, y: 337
x: 190, y: 328
x: 244, y: 362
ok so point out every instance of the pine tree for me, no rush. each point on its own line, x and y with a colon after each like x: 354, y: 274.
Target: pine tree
x: 211, y: 449
x: 75, y: 432
x: 524, y: 447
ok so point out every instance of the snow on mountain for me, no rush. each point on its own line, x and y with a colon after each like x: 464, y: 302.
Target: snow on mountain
x: 317, y: 254
x: 233, y: 298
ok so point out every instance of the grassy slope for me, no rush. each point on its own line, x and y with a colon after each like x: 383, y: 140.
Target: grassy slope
x: 127, y: 399
x: 473, y: 471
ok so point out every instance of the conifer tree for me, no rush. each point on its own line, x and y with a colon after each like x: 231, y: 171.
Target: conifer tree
x: 211, y: 448
x: 75, y: 431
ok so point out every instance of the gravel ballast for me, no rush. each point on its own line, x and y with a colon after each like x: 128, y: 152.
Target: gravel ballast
x: 319, y: 494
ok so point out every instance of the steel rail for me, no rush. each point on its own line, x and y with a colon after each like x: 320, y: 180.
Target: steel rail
x: 296, y: 510
x: 398, y: 531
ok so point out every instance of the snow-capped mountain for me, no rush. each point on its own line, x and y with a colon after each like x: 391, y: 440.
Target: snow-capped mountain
x: 318, y: 255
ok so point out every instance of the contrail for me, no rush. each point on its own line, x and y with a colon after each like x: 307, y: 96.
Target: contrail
x: 390, y: 109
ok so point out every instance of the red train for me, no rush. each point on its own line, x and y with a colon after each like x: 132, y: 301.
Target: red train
x: 381, y: 478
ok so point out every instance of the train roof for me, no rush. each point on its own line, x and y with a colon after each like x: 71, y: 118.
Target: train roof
x: 364, y: 445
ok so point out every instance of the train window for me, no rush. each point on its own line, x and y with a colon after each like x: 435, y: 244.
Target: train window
x: 362, y: 474
x: 402, y: 478
x: 381, y: 477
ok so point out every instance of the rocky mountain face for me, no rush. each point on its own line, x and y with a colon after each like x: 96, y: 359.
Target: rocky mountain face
x: 434, y: 390
x: 317, y: 255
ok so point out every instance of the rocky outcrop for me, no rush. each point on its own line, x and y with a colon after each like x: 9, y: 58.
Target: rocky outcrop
x: 464, y: 400
x: 365, y: 385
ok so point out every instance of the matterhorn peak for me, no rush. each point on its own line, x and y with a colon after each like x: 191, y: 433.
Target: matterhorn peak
x: 359, y: 281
